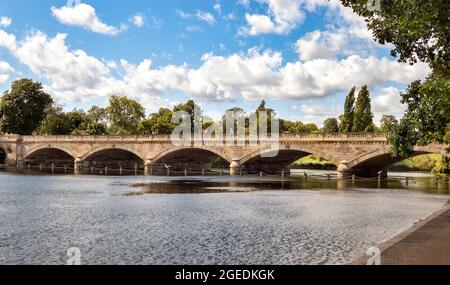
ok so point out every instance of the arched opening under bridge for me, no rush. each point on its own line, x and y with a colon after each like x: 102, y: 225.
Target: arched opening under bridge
x: 194, y: 160
x: 112, y: 161
x: 285, y: 160
x: 49, y: 160
x: 383, y: 162
x: 2, y: 156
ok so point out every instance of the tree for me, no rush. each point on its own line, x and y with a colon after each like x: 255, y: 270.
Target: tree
x: 363, y: 120
x: 348, y: 117
x: 236, y: 114
x: 419, y: 31
x: 157, y: 124
x: 270, y: 114
x: 310, y: 128
x: 192, y: 109
x: 124, y: 114
x: 92, y: 129
x: 388, y: 124
x: 290, y: 127
x: 98, y: 115
x: 427, y: 115
x: 23, y: 108
x: 55, y: 123
x: 331, y: 125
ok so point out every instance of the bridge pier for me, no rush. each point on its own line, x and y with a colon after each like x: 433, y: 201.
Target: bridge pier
x: 148, y: 167
x: 77, y: 165
x: 235, y: 167
x: 344, y: 171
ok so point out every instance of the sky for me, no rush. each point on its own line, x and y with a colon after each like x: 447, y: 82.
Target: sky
x: 301, y: 56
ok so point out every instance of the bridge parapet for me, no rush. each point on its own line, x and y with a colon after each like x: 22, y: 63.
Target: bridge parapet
x: 167, y: 139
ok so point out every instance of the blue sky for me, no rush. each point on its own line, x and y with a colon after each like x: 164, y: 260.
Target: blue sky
x: 302, y: 56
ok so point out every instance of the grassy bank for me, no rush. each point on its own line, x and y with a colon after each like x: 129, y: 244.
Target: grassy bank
x: 424, y: 163
x: 313, y: 162
x: 419, y: 163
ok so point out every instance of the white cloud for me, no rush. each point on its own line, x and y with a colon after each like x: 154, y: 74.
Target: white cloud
x: 75, y: 75
x: 346, y: 34
x: 84, y: 15
x: 183, y: 14
x: 7, y: 40
x: 5, y: 21
x: 5, y: 70
x: 218, y: 8
x: 387, y: 102
x: 317, y: 112
x: 138, y: 20
x: 282, y: 17
x: 205, y: 16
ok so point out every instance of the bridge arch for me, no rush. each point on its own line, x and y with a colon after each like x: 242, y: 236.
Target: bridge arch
x: 254, y: 162
x: 95, y: 151
x: 49, y: 148
x: 47, y: 155
x: 373, y: 162
x: 2, y: 155
x: 193, y: 158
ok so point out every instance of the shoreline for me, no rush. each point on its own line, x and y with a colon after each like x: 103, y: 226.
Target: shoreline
x: 427, y: 242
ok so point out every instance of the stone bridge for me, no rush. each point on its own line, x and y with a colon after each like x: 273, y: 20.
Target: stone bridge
x: 359, y: 154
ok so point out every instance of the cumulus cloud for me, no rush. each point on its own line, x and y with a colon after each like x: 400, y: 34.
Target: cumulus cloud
x: 281, y: 18
x: 346, y: 34
x: 5, y: 70
x: 7, y: 40
x: 75, y: 75
x: 317, y: 112
x: 5, y: 21
x: 85, y: 16
x: 387, y: 102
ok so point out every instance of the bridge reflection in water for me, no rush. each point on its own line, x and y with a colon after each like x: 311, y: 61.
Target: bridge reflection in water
x: 364, y: 155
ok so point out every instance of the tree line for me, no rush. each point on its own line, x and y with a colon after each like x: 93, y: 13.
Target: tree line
x: 26, y: 109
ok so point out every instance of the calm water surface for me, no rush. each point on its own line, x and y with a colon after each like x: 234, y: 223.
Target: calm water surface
x: 119, y: 220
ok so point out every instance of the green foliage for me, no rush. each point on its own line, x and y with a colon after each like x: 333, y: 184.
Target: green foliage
x: 291, y: 127
x: 158, y: 124
x: 92, y: 129
x: 313, y: 162
x: 56, y: 122
x: 124, y: 115
x: 22, y: 109
x: 192, y: 109
x: 443, y: 166
x: 404, y: 139
x: 426, y: 162
x: 236, y: 115
x: 418, y: 29
x: 388, y: 124
x: 311, y: 128
x: 348, y: 117
x: 98, y: 115
x: 363, y: 121
x: 270, y: 114
x: 331, y: 125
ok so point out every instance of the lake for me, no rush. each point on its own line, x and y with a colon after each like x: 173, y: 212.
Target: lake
x: 207, y: 220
